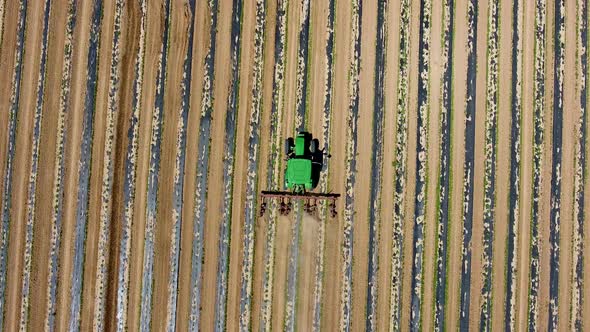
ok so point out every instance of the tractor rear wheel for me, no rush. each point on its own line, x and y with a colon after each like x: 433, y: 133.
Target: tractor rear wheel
x: 289, y: 143
x: 313, y: 146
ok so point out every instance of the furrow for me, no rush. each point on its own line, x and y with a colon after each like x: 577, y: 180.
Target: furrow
x: 491, y: 132
x: 202, y: 170
x: 468, y: 167
x: 538, y: 146
x: 153, y: 177
x: 376, y: 164
x: 350, y: 168
x: 292, y: 270
x: 228, y: 167
x: 179, y: 162
x: 558, y: 75
x: 515, y: 155
x: 326, y: 130
x: 580, y: 165
x: 59, y: 170
x: 12, y: 118
x: 302, y: 66
x: 2, y: 14
x: 129, y: 185
x: 84, y: 167
x: 274, y: 160
x: 401, y: 154
x: 107, y: 176
x: 252, y: 179
x: 32, y: 183
x: 444, y: 181
x: 421, y: 164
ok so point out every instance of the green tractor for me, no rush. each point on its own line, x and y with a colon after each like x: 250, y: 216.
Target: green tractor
x: 305, y: 162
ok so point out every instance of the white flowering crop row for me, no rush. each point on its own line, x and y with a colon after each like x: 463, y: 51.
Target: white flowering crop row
x: 401, y: 152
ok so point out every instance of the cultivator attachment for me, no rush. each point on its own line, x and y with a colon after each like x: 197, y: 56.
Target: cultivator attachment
x: 286, y: 199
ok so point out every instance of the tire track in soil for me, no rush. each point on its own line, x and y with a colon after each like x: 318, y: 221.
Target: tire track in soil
x: 514, y: 205
x: 421, y: 181
x: 203, y: 152
x: 444, y: 178
x: 468, y: 166
x: 577, y: 305
x: 130, y: 176
x: 555, y: 211
x: 153, y: 176
x: 13, y: 110
x: 33, y: 172
x: 490, y: 179
x: 228, y: 168
x: 179, y: 168
x: 376, y: 164
x: 274, y: 162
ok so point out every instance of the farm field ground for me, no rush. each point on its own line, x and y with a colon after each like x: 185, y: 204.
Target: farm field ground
x: 135, y: 137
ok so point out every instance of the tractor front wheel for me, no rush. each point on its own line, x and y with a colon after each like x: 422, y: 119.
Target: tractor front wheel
x: 313, y: 146
x: 289, y: 143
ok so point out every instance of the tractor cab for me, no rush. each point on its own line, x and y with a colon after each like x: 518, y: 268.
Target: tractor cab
x: 303, y: 163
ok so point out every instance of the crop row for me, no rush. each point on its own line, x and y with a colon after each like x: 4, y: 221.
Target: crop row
x: 515, y: 150
x: 203, y: 151
x: 555, y: 210
x: 401, y: 152
x: 84, y: 166
x: 252, y: 178
x: 129, y: 185
x: 179, y: 162
x: 468, y: 166
x: 326, y: 135
x: 2, y: 12
x: 107, y: 175
x: 350, y: 168
x: 538, y: 145
x: 491, y: 125
x: 580, y: 166
x: 228, y: 166
x: 421, y: 163
x: 153, y: 176
x: 274, y: 160
x: 32, y: 184
x: 376, y: 164
x: 440, y: 281
x: 59, y: 169
x: 12, y: 118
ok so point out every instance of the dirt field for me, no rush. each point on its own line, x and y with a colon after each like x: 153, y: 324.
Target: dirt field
x: 135, y: 136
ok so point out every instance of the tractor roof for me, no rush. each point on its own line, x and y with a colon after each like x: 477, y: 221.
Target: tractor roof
x: 299, y: 171
x: 300, y: 145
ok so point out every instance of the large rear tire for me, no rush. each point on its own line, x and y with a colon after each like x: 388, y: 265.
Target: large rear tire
x: 289, y: 143
x: 313, y: 146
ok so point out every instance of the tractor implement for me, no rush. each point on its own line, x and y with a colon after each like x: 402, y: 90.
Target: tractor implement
x: 305, y: 162
x: 286, y: 201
